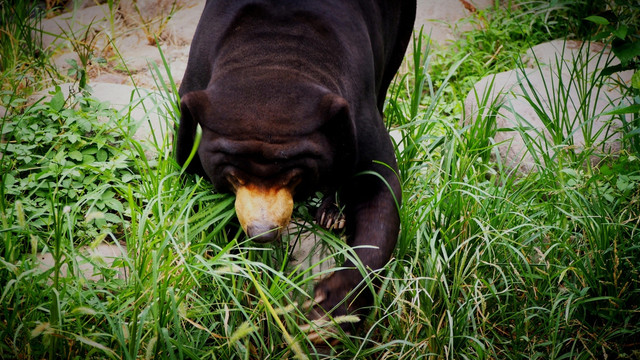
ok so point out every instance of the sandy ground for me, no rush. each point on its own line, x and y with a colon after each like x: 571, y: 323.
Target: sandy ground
x: 122, y: 40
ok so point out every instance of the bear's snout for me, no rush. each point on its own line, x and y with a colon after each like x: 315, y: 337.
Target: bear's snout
x: 263, y: 212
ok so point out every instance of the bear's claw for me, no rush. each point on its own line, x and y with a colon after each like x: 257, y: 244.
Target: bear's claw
x: 330, y: 216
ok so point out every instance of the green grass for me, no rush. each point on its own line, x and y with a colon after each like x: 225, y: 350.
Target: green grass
x: 489, y: 264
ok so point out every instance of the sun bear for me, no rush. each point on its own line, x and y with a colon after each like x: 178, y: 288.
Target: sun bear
x: 289, y: 97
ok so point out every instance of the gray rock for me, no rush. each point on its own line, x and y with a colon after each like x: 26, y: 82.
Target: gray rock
x: 558, y: 84
x: 146, y: 107
x: 309, y: 251
x: 441, y: 18
x: 89, y: 263
x: 182, y: 25
x: 61, y: 61
x: 565, y: 53
x: 80, y: 4
x: 135, y: 54
x: 112, y: 78
x: 60, y: 30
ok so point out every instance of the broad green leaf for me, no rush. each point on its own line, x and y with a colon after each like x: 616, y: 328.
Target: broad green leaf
x: 115, y: 205
x: 621, y: 32
x: 127, y: 177
x: 57, y: 101
x: 627, y: 51
x: 625, y: 184
x: 90, y: 151
x: 88, y: 159
x: 73, y: 138
x: 9, y: 180
x: 76, y: 155
x: 597, y: 20
x: 113, y: 218
x: 102, y: 155
x: 108, y: 195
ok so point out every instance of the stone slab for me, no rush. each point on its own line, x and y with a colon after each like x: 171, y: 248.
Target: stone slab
x: 558, y: 89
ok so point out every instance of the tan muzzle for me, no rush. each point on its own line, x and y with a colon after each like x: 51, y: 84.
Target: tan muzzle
x: 263, y: 212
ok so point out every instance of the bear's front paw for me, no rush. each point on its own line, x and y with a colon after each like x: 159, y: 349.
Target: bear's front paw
x: 341, y: 300
x: 330, y: 215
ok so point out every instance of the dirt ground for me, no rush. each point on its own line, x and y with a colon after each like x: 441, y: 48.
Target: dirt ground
x: 122, y: 40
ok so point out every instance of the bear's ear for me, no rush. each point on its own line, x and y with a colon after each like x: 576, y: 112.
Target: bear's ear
x: 339, y: 127
x: 193, y: 105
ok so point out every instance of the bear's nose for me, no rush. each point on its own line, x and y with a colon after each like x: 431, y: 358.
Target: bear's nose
x: 262, y: 233
x: 263, y: 212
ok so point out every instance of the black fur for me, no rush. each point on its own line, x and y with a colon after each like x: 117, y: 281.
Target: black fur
x: 282, y: 87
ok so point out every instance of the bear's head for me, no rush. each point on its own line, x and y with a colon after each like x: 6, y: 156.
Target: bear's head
x: 269, y: 137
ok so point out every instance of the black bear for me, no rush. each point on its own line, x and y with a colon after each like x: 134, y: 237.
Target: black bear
x: 289, y: 97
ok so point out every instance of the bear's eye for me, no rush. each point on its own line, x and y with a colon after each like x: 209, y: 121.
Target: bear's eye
x: 235, y: 181
x: 294, y: 180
